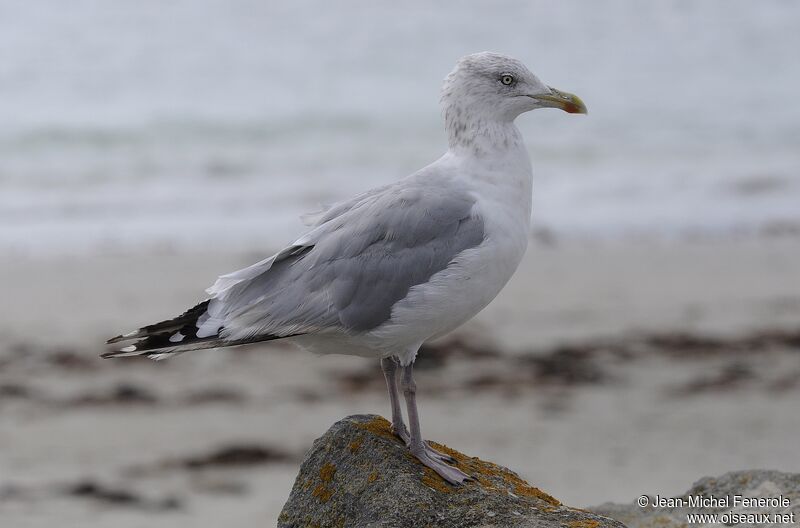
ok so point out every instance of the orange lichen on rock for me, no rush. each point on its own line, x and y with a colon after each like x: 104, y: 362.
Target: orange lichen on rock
x: 327, y: 472
x: 372, y: 477
x: 583, y: 523
x: 322, y: 491
x: 523, y: 489
x: 488, y: 475
x: 355, y: 445
x: 379, y: 426
x: 435, y: 482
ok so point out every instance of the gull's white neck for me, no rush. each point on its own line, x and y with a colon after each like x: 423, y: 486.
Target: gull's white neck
x: 492, y: 155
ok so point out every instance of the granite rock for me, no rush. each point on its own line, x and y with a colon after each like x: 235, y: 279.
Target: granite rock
x: 781, y: 490
x: 359, y: 475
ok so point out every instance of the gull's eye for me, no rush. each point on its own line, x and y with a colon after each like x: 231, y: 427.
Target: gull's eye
x: 508, y: 80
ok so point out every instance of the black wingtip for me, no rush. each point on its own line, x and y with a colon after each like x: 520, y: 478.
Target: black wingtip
x: 127, y: 351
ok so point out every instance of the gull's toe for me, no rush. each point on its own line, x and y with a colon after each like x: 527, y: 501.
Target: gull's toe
x: 450, y: 474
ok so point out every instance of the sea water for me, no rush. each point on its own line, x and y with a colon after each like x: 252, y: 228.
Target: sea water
x: 212, y: 125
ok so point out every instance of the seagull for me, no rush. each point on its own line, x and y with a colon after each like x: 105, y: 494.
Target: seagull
x: 382, y: 273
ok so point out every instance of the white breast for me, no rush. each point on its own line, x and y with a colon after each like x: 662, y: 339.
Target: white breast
x: 476, y: 276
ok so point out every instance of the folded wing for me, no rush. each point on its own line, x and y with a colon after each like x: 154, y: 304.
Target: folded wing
x: 346, y: 274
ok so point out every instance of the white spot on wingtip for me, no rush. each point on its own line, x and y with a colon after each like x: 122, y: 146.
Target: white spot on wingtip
x: 131, y: 348
x: 176, y: 337
x: 208, y: 329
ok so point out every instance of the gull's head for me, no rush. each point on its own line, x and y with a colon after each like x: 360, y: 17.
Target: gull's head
x: 493, y: 86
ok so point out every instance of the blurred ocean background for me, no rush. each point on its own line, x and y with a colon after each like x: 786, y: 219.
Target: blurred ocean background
x: 187, y: 125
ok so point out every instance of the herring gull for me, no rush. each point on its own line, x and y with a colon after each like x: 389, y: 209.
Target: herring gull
x: 382, y: 273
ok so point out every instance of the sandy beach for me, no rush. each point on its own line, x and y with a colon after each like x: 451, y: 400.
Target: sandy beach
x: 602, y: 372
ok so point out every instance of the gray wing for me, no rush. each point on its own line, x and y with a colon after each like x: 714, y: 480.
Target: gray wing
x: 349, y: 271
x: 328, y: 213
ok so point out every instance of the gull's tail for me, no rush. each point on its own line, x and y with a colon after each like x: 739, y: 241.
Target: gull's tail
x: 173, y: 336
